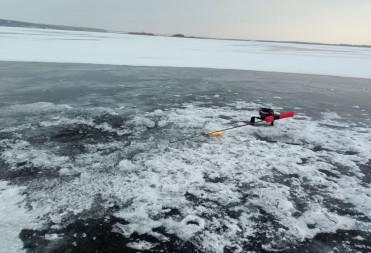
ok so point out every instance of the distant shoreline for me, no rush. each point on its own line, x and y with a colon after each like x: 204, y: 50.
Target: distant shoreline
x: 14, y: 23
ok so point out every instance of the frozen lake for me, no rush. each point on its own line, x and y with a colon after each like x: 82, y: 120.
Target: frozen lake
x: 42, y: 45
x: 86, y: 163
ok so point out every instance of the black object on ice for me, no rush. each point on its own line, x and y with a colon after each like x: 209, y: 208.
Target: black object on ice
x: 263, y: 113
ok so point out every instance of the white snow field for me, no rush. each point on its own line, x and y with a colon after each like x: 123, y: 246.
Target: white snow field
x: 40, y: 45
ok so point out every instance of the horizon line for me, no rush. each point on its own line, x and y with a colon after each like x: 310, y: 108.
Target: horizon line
x: 60, y: 27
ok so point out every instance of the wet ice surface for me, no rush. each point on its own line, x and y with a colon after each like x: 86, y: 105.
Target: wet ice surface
x: 86, y: 162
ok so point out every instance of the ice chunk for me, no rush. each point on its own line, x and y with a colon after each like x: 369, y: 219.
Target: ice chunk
x: 141, y: 245
x: 158, y: 113
x: 162, y: 123
x: 127, y: 166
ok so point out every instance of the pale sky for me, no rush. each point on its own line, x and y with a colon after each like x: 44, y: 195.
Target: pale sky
x: 325, y: 21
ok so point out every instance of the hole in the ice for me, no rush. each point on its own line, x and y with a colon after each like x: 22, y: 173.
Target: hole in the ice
x: 214, y: 179
x: 294, y: 144
x: 311, y: 226
x: 19, y: 164
x: 113, y: 120
x: 304, y: 160
x: 225, y: 117
x: 329, y: 173
x: 190, y: 197
x: 263, y: 138
x: 319, y: 148
x: 170, y: 212
x: 192, y: 222
x: 350, y: 153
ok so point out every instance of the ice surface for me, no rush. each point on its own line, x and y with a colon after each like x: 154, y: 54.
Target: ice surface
x: 142, y: 245
x: 13, y: 217
x: 42, y: 45
x: 289, y: 182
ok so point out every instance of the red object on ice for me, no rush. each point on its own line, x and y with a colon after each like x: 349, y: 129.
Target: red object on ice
x: 279, y: 116
x: 269, y: 119
x: 286, y: 115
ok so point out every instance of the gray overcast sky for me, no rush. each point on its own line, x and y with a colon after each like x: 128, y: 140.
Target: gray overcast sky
x: 327, y: 21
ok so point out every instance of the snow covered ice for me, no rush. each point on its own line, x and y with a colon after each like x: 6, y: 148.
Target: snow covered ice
x: 86, y: 161
x: 212, y: 192
x: 42, y: 45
